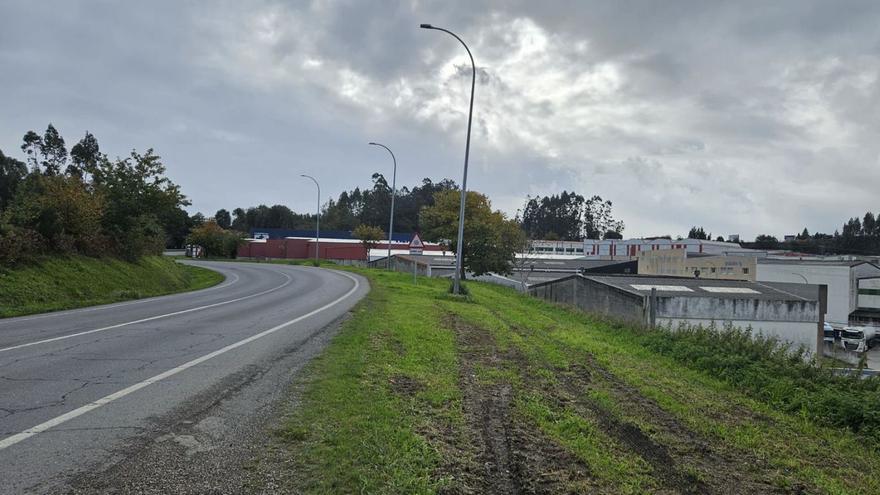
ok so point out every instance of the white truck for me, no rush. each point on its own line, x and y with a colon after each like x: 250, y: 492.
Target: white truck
x: 858, y: 339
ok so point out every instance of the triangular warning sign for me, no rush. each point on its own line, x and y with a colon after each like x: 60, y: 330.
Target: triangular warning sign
x: 416, y: 242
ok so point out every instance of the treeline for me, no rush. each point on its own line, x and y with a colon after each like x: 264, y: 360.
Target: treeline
x: 566, y: 216
x: 82, y: 202
x: 858, y: 235
x: 352, y: 208
x: 570, y: 217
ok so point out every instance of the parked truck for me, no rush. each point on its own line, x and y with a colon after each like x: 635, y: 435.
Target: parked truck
x: 858, y: 339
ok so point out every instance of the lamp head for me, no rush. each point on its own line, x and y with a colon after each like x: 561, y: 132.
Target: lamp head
x: 374, y: 144
x: 426, y: 26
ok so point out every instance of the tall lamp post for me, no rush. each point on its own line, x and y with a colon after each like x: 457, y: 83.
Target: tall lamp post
x: 317, y: 218
x: 393, y: 194
x: 456, y: 280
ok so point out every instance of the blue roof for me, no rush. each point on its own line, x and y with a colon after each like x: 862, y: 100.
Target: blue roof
x: 325, y: 234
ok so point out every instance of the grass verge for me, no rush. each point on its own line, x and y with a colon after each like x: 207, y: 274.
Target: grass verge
x: 76, y: 281
x: 500, y: 393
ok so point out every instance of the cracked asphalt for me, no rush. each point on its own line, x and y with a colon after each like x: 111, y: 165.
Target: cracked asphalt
x: 199, y: 428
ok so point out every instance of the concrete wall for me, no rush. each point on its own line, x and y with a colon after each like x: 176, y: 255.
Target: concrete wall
x: 594, y: 297
x: 404, y: 264
x: 797, y: 334
x: 721, y: 308
x: 796, y: 322
x: 841, y: 291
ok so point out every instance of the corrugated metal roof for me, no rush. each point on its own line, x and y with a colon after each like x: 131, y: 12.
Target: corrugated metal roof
x: 703, y: 287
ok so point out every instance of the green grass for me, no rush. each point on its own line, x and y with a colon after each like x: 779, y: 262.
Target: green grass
x: 389, y: 406
x: 76, y: 281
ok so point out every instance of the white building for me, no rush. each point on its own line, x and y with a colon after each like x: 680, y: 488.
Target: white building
x: 630, y: 248
x: 544, y: 247
x: 843, y: 278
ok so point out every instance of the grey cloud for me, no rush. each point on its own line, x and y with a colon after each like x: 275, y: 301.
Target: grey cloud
x: 748, y: 118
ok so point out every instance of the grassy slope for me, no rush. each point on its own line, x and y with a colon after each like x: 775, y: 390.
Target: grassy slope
x: 422, y: 393
x: 71, y: 282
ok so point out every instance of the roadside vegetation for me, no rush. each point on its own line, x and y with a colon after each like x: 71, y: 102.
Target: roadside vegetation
x: 84, y: 203
x: 76, y: 281
x: 422, y: 392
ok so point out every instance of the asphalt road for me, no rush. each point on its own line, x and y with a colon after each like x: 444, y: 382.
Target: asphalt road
x: 86, y: 391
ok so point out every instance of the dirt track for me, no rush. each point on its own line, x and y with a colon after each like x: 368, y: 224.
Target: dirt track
x: 502, y: 451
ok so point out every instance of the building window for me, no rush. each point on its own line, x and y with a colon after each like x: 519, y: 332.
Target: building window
x: 713, y: 269
x: 745, y: 271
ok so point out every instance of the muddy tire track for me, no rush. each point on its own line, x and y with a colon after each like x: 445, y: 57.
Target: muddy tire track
x: 683, y: 451
x: 509, y: 455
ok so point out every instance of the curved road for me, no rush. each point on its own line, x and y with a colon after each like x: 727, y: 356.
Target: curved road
x: 82, y: 390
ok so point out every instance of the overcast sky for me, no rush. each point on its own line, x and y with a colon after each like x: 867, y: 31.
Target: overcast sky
x: 748, y: 118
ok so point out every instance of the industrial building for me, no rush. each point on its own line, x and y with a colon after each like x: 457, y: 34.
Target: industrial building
x: 846, y: 304
x: 328, y: 248
x: 630, y: 248
x: 680, y: 262
x: 793, y: 313
x: 545, y: 247
x: 527, y: 269
x: 868, y: 308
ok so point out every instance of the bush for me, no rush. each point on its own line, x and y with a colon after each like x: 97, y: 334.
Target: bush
x: 19, y: 245
x: 768, y: 370
x: 216, y: 241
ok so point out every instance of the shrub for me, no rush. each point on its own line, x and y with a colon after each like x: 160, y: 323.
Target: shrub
x: 216, y: 241
x: 769, y: 371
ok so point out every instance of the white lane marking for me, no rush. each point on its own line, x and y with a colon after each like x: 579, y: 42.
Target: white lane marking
x: 18, y: 437
x: 55, y: 314
x: 151, y: 318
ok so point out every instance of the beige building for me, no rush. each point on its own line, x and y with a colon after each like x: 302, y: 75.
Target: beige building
x: 681, y: 263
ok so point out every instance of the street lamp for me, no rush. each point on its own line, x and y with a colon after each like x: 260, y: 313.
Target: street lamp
x: 456, y: 280
x: 317, y: 218
x: 393, y: 194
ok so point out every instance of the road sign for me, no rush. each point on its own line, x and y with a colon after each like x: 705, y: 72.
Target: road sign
x: 416, y: 245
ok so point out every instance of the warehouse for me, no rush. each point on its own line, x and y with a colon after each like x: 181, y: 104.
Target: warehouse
x: 793, y: 313
x: 630, y: 248
x: 681, y: 263
x: 329, y: 248
x: 527, y: 270
x: 844, y: 279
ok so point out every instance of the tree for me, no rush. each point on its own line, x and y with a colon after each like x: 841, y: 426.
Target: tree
x: 12, y: 173
x: 33, y: 143
x: 765, y: 241
x: 84, y: 156
x: 239, y: 221
x: 62, y: 211
x: 490, y: 238
x: 197, y: 219
x: 869, y: 224
x: 698, y: 233
x: 223, y: 218
x: 369, y: 237
x: 125, y: 207
x: 719, y: 239
x: 141, y: 201
x: 216, y: 241
x: 557, y: 216
x: 598, y: 218
x: 568, y: 216
x: 53, y: 151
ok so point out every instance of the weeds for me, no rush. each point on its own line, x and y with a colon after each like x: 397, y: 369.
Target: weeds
x: 768, y: 370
